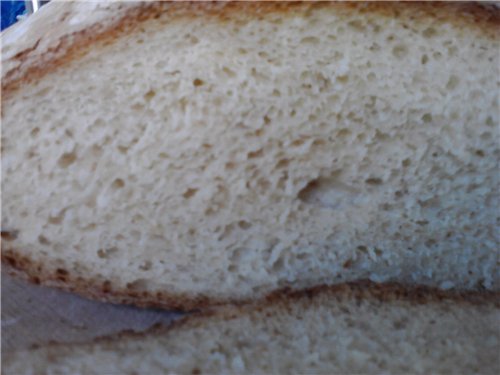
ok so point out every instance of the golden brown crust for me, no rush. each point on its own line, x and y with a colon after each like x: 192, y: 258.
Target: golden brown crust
x: 25, y: 268
x: 70, y: 47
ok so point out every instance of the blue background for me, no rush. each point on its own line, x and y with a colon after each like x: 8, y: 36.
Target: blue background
x: 10, y: 10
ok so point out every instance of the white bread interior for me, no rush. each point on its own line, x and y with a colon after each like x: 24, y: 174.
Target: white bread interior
x: 228, y: 158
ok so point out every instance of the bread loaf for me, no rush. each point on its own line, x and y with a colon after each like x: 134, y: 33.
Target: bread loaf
x: 348, y: 329
x: 177, y: 154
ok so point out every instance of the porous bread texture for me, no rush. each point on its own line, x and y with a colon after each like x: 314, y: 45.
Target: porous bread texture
x: 227, y: 155
x: 342, y: 331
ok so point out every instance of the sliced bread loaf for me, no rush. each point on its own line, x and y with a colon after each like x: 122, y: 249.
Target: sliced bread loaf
x: 183, y: 154
x: 347, y: 329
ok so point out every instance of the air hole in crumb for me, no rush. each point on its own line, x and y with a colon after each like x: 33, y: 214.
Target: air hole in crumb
x: 106, y: 253
x: 400, y: 51
x: 43, y: 240
x: 145, y: 266
x: 122, y: 149
x: 374, y: 181
x: 431, y: 242
x: 429, y: 32
x: 342, y: 133
x: 348, y: 263
x: 386, y: 206
x: 479, y: 153
x: 255, y: 154
x: 67, y: 159
x: 452, y: 82
x: 230, y: 165
x: 406, y: 162
x: 437, y: 55
x: 309, y: 190
x: 198, y: 82
x: 106, y: 286
x: 189, y: 193
x: 310, y: 40
x: 137, y: 107
x: 375, y: 47
x: 400, y: 324
x: 244, y: 224
x: 263, y: 54
x: 298, y: 142
x: 278, y: 265
x: 139, y: 284
x: 427, y: 118
x: 263, y: 183
x: 343, y: 79
x: 34, y: 132
x: 318, y: 142
x: 452, y: 51
x: 357, y: 25
x: 228, y: 229
x: 424, y: 59
x: 57, y: 219
x: 90, y: 226
x: 149, y: 95
x: 117, y: 184
x: 486, y: 136
x: 381, y: 136
x: 137, y: 218
x: 9, y: 235
x: 429, y: 203
x: 62, y: 272
x: 362, y: 248
x: 229, y: 72
x: 283, y: 163
x: 96, y: 150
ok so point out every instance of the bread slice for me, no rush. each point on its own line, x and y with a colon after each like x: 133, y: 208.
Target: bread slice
x: 184, y: 154
x: 349, y: 329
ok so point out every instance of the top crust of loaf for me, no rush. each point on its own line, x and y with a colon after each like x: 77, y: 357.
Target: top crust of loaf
x: 27, y: 57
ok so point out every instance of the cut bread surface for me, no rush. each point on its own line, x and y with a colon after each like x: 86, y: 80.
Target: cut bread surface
x: 225, y: 151
x: 343, y: 330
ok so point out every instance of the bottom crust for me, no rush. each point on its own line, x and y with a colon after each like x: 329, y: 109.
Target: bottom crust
x: 23, y: 267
